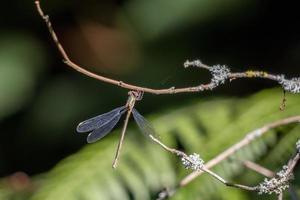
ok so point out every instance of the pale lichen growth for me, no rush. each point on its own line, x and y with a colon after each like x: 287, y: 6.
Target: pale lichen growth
x: 277, y: 184
x: 290, y: 85
x: 219, y: 75
x: 219, y: 72
x: 194, y: 63
x: 193, y: 162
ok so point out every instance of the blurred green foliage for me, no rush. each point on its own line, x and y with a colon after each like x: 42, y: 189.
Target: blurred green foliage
x: 156, y: 18
x: 145, y: 168
x: 21, y: 63
x: 145, y: 43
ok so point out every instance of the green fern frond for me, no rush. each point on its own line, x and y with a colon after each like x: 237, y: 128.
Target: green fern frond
x: 205, y: 127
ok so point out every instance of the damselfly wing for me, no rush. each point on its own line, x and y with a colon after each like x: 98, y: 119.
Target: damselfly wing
x: 101, y: 125
x: 143, y: 124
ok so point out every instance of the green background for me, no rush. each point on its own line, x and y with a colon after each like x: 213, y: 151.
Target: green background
x: 143, y: 43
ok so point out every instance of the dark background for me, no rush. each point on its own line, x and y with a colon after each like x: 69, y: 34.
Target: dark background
x: 140, y: 42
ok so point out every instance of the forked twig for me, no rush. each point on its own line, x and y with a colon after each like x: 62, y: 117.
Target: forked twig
x: 220, y: 74
x: 227, y: 153
x: 194, y: 163
x: 219, y: 77
x: 233, y: 149
x: 270, y: 174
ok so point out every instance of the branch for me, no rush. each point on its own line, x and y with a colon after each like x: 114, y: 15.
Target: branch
x: 247, y: 139
x: 292, y: 85
x: 270, y: 174
x: 258, y: 168
x: 277, y: 184
x: 220, y: 74
x: 227, y: 153
x: 281, y: 181
x: 195, y: 163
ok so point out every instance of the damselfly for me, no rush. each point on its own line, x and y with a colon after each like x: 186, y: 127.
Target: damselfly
x: 101, y: 125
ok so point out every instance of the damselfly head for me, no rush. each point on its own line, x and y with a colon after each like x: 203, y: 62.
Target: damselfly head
x: 133, y: 96
x: 137, y: 95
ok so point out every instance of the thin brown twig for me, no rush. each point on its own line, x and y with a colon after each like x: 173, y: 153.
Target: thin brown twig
x: 164, y: 194
x: 229, y: 76
x: 171, y: 150
x: 258, y: 168
x: 171, y: 90
x: 203, y: 169
x: 219, y: 178
x: 270, y: 174
x: 281, y: 181
x: 293, y: 162
x: 231, y: 150
x: 280, y: 196
x: 183, y: 155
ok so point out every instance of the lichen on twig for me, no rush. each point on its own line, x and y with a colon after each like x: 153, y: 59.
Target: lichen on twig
x: 220, y: 74
x: 193, y: 162
x: 290, y: 85
x: 277, y: 184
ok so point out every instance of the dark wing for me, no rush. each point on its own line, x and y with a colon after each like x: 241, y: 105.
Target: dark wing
x: 99, y: 133
x: 99, y: 121
x: 143, y: 124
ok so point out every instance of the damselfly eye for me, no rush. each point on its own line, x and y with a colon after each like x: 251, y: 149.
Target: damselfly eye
x: 138, y: 95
